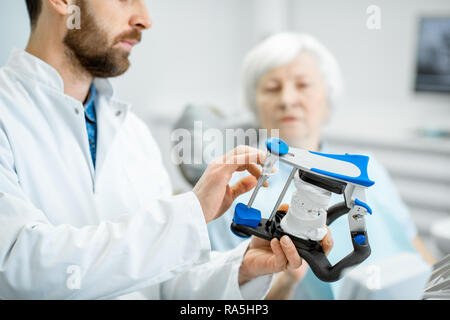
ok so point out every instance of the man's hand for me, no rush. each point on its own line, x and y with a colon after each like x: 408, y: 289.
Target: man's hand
x: 213, y: 191
x: 296, y: 275
x: 264, y: 257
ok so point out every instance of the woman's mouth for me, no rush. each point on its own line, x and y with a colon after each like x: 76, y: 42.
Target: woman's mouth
x: 289, y: 119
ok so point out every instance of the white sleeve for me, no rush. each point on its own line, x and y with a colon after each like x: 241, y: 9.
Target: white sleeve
x: 217, y: 279
x: 39, y: 260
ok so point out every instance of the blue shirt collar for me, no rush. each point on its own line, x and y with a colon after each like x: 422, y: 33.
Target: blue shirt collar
x: 89, y: 105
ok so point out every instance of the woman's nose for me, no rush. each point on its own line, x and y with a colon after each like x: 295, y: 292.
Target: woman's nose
x: 290, y: 98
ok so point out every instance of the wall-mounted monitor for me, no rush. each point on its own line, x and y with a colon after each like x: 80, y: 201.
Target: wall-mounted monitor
x: 433, y: 58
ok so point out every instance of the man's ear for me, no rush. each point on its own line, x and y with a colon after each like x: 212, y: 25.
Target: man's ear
x: 60, y: 6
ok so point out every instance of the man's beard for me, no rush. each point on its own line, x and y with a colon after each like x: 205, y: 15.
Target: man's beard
x: 90, y: 48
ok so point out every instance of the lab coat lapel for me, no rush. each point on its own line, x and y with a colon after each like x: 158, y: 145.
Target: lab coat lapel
x: 111, y: 115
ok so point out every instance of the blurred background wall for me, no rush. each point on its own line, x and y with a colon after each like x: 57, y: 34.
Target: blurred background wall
x: 194, y: 51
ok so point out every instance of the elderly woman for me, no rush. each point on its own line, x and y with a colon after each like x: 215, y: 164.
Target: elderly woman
x: 291, y: 82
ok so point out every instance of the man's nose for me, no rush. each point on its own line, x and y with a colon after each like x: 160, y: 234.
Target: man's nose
x: 141, y: 19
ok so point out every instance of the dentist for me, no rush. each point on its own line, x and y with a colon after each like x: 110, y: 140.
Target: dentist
x: 86, y: 210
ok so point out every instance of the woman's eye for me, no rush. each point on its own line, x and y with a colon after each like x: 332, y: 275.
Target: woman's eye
x: 272, y: 89
x: 302, y: 85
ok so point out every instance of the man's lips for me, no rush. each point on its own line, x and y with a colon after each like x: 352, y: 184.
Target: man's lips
x: 128, y: 44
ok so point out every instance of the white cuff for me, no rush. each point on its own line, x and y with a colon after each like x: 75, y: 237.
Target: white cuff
x: 256, y: 289
x: 190, y: 201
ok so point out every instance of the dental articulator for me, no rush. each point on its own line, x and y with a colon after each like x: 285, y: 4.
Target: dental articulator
x: 316, y: 176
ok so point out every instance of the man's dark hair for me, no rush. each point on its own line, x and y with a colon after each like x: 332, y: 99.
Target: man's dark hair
x: 34, y: 9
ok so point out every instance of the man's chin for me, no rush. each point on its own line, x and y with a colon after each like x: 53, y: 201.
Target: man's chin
x: 109, y: 72
x: 118, y: 63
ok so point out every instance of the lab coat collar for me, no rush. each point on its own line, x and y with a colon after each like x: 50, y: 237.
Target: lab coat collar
x: 43, y: 73
x: 112, y: 111
x: 36, y: 69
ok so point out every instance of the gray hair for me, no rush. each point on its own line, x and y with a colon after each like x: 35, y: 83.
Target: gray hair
x: 281, y: 49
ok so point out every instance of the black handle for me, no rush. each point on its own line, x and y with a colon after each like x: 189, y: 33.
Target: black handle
x: 317, y: 259
x: 336, y: 211
x: 310, y: 250
x: 322, y: 268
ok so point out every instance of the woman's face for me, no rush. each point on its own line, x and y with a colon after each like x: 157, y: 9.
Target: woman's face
x: 294, y: 99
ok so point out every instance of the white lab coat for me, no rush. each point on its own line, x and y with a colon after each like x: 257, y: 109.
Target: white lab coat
x: 68, y: 231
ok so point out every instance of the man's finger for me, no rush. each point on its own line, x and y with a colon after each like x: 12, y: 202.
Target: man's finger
x: 254, y: 170
x: 241, y: 149
x: 235, y: 161
x: 293, y: 258
x: 242, y: 186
